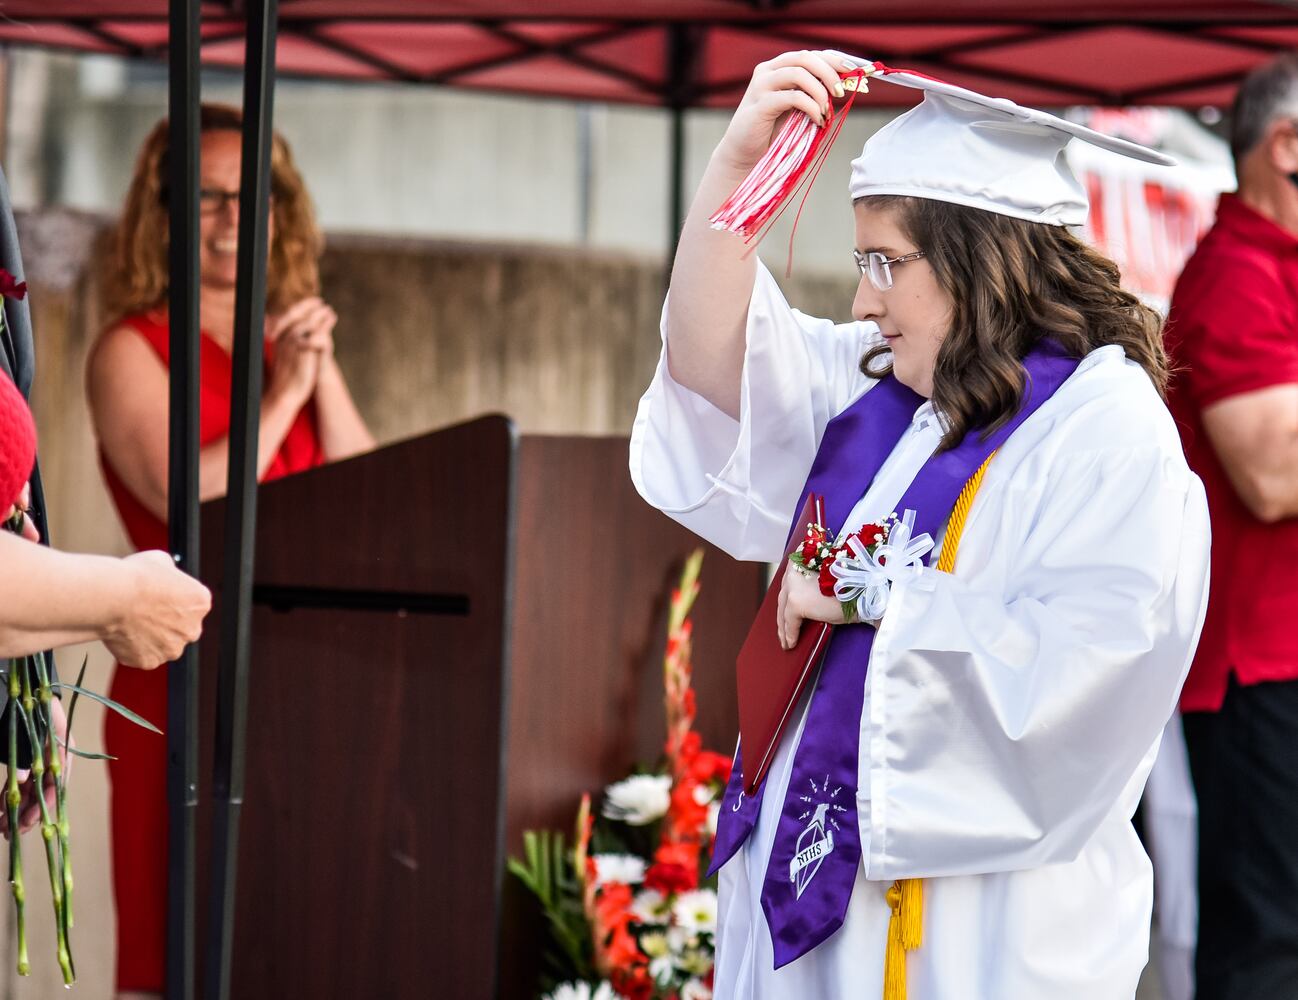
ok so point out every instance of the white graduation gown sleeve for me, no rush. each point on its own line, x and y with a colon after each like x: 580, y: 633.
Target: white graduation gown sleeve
x: 1007, y: 722
x: 736, y: 483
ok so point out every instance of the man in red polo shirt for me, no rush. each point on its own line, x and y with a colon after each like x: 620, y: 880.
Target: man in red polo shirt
x: 1233, y: 336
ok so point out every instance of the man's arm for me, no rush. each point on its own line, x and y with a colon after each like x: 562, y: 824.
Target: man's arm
x: 142, y: 607
x: 1255, y: 435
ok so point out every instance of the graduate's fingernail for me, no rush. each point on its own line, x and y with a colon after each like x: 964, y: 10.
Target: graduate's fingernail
x: 838, y: 89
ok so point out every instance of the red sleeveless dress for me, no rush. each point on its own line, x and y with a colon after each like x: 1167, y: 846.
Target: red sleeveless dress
x: 138, y: 776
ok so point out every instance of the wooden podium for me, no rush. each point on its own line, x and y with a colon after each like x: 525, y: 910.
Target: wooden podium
x: 453, y: 638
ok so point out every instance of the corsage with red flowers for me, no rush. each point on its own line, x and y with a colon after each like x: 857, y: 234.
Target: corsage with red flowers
x: 816, y: 556
x: 865, y: 573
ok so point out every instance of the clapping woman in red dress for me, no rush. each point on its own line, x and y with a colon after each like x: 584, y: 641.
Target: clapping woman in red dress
x: 307, y: 418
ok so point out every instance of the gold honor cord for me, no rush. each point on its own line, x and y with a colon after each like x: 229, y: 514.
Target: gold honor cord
x: 906, y: 895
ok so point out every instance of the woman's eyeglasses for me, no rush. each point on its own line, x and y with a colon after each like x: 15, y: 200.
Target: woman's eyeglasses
x: 211, y: 201
x: 878, y: 267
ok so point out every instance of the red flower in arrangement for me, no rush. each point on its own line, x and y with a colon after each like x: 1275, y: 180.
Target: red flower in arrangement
x: 623, y: 951
x: 670, y: 878
x: 827, y: 578
x: 684, y: 854
x: 11, y: 287
x: 678, y: 639
x: 613, y: 906
x: 870, y: 533
x: 686, y: 812
x: 690, y: 704
x: 634, y: 983
x: 708, y: 766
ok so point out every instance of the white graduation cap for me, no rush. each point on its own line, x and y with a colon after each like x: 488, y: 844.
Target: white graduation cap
x: 984, y: 152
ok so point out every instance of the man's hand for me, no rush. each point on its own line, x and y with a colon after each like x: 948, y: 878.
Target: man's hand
x: 163, y: 615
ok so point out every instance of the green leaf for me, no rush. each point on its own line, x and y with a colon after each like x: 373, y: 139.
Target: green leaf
x: 519, y: 871
x: 107, y: 702
x: 547, y: 871
x: 87, y: 754
x: 72, y: 704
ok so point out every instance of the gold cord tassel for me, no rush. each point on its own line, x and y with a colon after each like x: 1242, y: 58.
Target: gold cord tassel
x: 912, y: 912
x: 906, y: 895
x: 959, y: 513
x: 905, y: 930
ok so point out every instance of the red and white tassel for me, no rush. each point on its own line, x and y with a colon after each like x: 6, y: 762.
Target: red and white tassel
x: 789, y: 165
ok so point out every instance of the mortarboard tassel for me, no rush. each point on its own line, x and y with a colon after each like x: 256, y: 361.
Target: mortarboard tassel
x: 790, y: 164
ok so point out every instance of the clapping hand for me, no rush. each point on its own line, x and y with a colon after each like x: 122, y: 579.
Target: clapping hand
x: 303, y: 339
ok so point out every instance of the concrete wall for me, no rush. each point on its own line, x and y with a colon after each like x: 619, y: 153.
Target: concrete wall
x: 430, y: 333
x: 415, y: 161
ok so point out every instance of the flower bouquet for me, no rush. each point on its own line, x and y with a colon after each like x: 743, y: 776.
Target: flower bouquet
x: 629, y: 909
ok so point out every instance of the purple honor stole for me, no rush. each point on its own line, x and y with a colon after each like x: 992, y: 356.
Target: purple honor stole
x: 817, y: 848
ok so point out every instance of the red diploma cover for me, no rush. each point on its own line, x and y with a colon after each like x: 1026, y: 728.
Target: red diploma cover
x: 772, y: 679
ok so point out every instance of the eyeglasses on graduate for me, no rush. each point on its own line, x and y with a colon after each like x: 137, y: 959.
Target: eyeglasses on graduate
x: 878, y: 267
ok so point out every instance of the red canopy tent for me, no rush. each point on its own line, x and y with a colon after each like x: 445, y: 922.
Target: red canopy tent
x: 670, y: 53
x: 700, y: 52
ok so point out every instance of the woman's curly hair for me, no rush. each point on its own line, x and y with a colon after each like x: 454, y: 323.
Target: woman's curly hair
x: 138, y: 269
x: 1011, y: 283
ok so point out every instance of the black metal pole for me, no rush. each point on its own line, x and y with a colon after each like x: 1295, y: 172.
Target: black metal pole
x: 241, y: 493
x: 676, y: 196
x: 682, y: 70
x: 182, y: 483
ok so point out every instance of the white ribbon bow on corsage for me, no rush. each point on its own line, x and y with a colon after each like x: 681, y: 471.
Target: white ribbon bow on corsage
x: 865, y: 578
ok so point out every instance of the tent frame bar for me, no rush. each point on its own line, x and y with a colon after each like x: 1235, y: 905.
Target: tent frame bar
x: 182, y: 481
x: 241, y: 491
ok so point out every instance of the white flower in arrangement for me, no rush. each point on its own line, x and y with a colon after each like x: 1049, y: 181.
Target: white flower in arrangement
x: 696, y: 911
x: 651, y: 907
x: 581, y: 991
x: 694, y: 962
x: 703, y: 794
x: 654, y: 944
x: 695, y: 990
x: 661, y: 969
x: 624, y: 868
x: 679, y: 939
x: 639, y: 799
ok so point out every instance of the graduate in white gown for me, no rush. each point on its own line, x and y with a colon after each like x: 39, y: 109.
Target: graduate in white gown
x: 1011, y: 709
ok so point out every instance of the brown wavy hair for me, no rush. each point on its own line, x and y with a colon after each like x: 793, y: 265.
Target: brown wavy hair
x: 1011, y: 283
x: 138, y: 270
